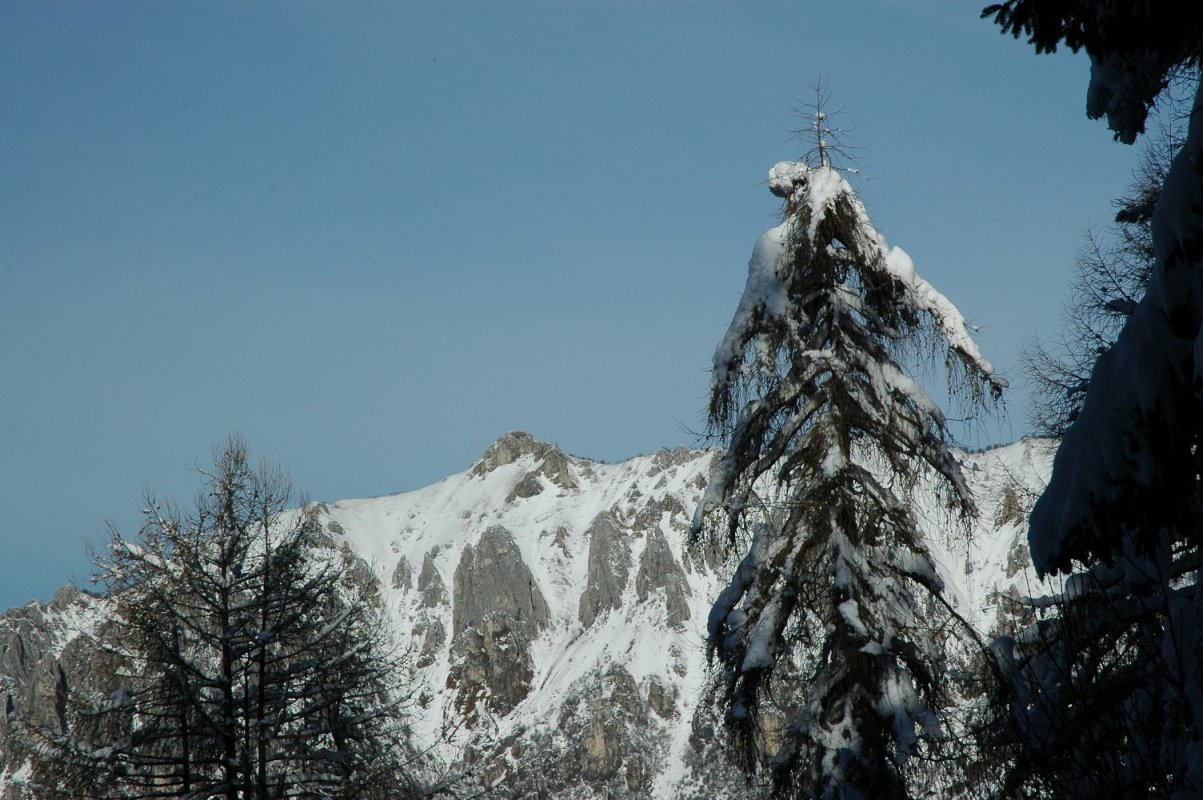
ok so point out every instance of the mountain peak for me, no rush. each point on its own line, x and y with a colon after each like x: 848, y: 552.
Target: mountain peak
x: 549, y: 461
x: 509, y: 448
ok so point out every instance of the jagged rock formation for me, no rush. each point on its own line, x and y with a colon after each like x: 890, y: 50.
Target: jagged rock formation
x: 493, y: 582
x: 555, y: 615
x: 40, y: 658
x: 550, y: 464
x: 432, y: 590
x: 659, y: 570
x: 609, y: 568
x: 497, y: 613
x: 403, y: 575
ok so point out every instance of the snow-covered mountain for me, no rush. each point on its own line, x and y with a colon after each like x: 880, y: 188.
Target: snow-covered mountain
x: 556, y: 614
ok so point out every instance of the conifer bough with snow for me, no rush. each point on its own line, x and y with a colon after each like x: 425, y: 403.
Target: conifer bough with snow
x: 827, y: 436
x: 1105, y: 693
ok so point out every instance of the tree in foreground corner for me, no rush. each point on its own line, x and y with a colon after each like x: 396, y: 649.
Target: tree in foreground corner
x: 243, y: 667
x: 827, y: 438
x: 1105, y: 693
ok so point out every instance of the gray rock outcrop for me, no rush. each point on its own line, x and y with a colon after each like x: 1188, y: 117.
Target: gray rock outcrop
x: 434, y: 638
x: 40, y: 659
x: 658, y: 569
x: 614, y: 749
x: 403, y: 575
x: 609, y: 568
x: 492, y: 581
x: 430, y: 583
x: 490, y: 664
x: 552, y: 465
x: 497, y: 610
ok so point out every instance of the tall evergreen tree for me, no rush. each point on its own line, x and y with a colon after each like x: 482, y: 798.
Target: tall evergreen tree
x: 243, y: 668
x: 1106, y: 692
x: 827, y: 438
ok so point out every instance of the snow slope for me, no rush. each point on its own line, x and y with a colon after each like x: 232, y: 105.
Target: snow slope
x: 553, y: 529
x: 556, y: 613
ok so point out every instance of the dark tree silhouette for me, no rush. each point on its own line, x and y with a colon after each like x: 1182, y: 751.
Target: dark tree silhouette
x: 244, y: 668
x: 1105, y: 694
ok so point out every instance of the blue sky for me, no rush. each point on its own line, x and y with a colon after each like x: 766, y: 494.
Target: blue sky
x: 374, y: 236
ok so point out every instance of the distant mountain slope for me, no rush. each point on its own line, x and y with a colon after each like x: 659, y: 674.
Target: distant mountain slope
x: 555, y: 613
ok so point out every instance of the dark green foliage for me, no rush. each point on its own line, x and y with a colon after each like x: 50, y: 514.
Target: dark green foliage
x: 1141, y: 44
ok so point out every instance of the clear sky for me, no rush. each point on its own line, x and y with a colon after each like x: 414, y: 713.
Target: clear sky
x: 374, y: 236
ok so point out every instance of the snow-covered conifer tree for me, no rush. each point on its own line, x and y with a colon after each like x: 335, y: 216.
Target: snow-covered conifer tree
x: 1106, y: 696
x: 827, y: 436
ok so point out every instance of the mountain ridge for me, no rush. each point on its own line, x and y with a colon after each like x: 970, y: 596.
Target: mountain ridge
x: 556, y: 614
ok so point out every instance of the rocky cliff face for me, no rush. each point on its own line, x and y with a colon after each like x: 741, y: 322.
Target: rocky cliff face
x: 555, y: 613
x: 42, y: 654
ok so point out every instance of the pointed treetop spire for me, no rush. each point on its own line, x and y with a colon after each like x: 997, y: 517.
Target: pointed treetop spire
x: 819, y: 127
x: 825, y: 141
